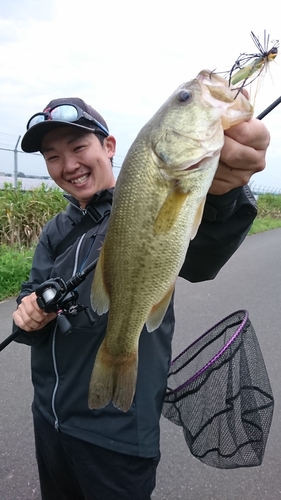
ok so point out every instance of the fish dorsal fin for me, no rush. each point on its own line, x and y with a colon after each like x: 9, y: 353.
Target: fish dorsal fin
x: 169, y: 212
x: 158, y: 311
x: 99, y: 294
x: 198, y: 218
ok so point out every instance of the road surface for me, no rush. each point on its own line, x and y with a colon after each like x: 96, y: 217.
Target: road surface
x: 251, y: 280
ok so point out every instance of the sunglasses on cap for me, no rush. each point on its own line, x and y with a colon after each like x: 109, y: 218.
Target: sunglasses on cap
x: 66, y: 113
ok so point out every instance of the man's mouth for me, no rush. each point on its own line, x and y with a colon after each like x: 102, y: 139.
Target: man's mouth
x: 80, y: 180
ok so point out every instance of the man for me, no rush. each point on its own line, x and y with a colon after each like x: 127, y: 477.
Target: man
x: 107, y: 454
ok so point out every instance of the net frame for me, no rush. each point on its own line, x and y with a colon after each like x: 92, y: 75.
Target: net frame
x: 220, y: 394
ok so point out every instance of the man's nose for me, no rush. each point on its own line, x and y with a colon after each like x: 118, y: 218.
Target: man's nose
x: 70, y: 163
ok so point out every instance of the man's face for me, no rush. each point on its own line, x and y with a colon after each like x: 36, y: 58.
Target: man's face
x: 78, y: 162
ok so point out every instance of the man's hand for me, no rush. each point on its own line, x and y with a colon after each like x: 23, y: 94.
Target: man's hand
x: 242, y: 155
x: 29, y: 316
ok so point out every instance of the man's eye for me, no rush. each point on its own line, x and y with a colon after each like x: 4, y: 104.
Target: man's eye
x: 52, y: 158
x: 78, y: 148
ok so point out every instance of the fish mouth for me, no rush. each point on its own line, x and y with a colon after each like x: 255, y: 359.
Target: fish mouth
x: 193, y: 167
x: 200, y: 163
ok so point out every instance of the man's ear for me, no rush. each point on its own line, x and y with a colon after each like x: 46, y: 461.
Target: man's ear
x: 110, y: 145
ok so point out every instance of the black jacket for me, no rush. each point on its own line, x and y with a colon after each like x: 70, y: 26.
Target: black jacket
x: 62, y: 364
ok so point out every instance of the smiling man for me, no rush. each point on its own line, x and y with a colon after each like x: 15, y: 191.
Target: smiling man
x: 106, y: 454
x: 78, y: 162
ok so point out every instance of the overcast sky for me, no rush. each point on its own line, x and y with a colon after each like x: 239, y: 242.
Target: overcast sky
x: 125, y: 58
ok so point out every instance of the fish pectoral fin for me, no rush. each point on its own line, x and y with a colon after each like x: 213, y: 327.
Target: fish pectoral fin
x: 113, y: 379
x: 99, y: 296
x: 158, y: 311
x: 169, y: 212
x: 198, y: 219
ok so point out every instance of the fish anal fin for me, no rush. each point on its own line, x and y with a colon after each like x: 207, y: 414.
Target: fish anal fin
x: 169, y: 212
x: 198, y: 218
x: 99, y: 294
x: 158, y: 311
x: 113, y: 379
x: 101, y: 383
x: 125, y: 382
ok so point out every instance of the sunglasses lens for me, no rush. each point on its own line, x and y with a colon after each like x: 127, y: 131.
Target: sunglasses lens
x: 65, y: 113
x: 36, y: 119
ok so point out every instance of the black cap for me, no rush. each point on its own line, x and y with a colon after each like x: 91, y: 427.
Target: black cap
x: 31, y: 141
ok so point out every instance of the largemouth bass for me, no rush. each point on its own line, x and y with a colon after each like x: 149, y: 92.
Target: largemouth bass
x: 157, y: 208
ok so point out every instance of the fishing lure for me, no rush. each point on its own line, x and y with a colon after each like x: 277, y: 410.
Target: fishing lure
x: 249, y: 66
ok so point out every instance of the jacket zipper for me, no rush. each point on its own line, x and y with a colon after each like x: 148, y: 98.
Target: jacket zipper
x: 54, y: 341
x: 57, y: 379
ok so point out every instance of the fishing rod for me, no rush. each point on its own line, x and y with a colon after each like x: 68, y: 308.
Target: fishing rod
x: 269, y: 108
x: 58, y: 296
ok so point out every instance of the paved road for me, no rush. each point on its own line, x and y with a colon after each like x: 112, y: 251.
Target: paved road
x: 252, y: 281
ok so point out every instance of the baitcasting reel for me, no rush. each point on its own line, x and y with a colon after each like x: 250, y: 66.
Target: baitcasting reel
x: 55, y: 295
x: 59, y: 296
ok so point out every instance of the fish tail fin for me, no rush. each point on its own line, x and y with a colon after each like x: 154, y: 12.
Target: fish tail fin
x: 113, y: 379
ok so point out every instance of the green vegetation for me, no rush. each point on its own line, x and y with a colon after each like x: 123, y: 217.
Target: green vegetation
x: 15, y: 264
x: 269, y: 213
x: 22, y: 216
x: 264, y: 224
x: 24, y: 213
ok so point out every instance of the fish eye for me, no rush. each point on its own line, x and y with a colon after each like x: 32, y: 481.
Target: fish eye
x: 184, y: 95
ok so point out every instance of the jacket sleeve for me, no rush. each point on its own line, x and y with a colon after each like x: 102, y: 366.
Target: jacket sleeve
x: 226, y: 222
x: 42, y: 265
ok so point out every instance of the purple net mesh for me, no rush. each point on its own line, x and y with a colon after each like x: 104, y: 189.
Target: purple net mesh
x: 220, y: 394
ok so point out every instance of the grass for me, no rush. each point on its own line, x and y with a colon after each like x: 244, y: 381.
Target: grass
x: 22, y: 216
x: 15, y: 265
x: 24, y: 213
x: 264, y: 224
x: 269, y: 213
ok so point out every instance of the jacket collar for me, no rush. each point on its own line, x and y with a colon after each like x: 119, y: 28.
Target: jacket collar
x: 74, y: 210
x: 100, y: 196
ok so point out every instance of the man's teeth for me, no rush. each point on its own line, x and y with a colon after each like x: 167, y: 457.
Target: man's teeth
x: 80, y: 179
